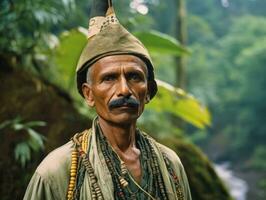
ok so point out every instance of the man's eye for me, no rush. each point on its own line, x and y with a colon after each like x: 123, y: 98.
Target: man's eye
x: 134, y: 77
x: 109, y: 78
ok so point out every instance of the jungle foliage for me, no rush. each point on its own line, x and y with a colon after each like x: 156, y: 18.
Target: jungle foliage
x: 225, y: 69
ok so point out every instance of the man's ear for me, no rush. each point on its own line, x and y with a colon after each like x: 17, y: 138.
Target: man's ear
x: 147, y: 98
x: 87, y: 93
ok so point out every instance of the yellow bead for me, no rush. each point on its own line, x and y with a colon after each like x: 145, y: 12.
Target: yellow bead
x: 73, y: 174
x: 74, y: 159
x: 72, y: 182
x: 125, y: 184
x: 74, y: 166
x: 72, y: 178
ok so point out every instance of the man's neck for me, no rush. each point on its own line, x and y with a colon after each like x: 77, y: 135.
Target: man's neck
x: 120, y: 137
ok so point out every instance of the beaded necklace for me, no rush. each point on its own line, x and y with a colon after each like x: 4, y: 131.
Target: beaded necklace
x: 120, y: 176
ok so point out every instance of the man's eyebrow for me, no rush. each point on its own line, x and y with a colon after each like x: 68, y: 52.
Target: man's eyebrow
x: 108, y: 73
x: 131, y: 69
x: 139, y: 68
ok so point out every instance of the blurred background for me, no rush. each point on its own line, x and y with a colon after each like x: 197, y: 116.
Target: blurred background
x: 209, y: 59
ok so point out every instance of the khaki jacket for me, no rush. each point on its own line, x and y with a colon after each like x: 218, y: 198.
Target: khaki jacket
x: 50, y: 180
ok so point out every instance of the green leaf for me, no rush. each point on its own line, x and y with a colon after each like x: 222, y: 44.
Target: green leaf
x: 36, y: 140
x: 5, y: 124
x: 18, y: 126
x: 67, y: 54
x: 35, y: 123
x: 183, y: 105
x: 157, y: 42
x: 192, y: 111
x: 22, y: 153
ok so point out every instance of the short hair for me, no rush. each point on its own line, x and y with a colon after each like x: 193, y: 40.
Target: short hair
x: 88, y: 77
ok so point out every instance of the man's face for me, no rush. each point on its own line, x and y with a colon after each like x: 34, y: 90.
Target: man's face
x: 118, y: 88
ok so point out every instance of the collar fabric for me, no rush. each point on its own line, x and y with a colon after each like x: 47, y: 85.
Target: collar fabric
x: 105, y: 180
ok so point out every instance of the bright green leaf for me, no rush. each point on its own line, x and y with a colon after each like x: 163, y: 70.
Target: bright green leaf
x: 18, y: 127
x: 67, y: 54
x: 22, y: 153
x: 35, y: 123
x: 36, y: 140
x: 157, y: 42
x: 178, y: 102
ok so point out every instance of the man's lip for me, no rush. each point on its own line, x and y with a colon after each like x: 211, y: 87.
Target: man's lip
x: 125, y: 106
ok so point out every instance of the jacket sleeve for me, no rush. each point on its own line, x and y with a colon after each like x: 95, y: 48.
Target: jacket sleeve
x: 179, y: 170
x: 38, y: 189
x: 184, y: 179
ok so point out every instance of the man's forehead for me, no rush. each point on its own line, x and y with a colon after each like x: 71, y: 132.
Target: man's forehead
x: 114, y: 61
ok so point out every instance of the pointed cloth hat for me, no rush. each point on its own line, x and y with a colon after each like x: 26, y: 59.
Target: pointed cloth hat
x: 108, y: 37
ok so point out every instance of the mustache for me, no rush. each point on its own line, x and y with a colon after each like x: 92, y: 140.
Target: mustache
x: 123, y: 101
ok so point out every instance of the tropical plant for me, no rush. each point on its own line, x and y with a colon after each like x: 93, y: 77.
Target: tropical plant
x: 25, y: 29
x: 33, y: 142
x: 169, y: 99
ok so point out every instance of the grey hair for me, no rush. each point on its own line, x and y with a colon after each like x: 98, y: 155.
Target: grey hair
x: 88, y: 78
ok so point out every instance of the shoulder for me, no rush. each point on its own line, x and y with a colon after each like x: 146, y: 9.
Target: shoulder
x: 169, y: 153
x: 170, y: 156
x: 166, y: 152
x: 58, y: 160
x: 177, y: 167
x: 50, y: 180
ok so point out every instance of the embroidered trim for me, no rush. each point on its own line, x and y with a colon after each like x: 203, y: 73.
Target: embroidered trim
x: 174, y: 178
x: 97, y: 24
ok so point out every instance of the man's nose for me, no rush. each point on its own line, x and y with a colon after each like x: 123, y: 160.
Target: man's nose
x: 123, y: 88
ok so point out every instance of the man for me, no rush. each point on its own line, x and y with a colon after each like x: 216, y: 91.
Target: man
x: 114, y: 159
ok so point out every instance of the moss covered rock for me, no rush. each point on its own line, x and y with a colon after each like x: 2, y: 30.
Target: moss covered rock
x: 204, y: 182
x: 32, y: 99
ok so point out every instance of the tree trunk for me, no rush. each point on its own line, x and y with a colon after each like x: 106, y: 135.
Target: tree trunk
x: 181, y: 35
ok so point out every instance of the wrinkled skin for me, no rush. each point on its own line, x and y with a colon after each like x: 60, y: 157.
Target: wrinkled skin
x: 114, y: 77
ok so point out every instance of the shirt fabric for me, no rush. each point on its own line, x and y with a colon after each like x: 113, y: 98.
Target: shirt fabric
x: 50, y: 180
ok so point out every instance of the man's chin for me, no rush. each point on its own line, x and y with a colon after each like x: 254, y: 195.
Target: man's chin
x: 121, y: 118
x: 125, y: 118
